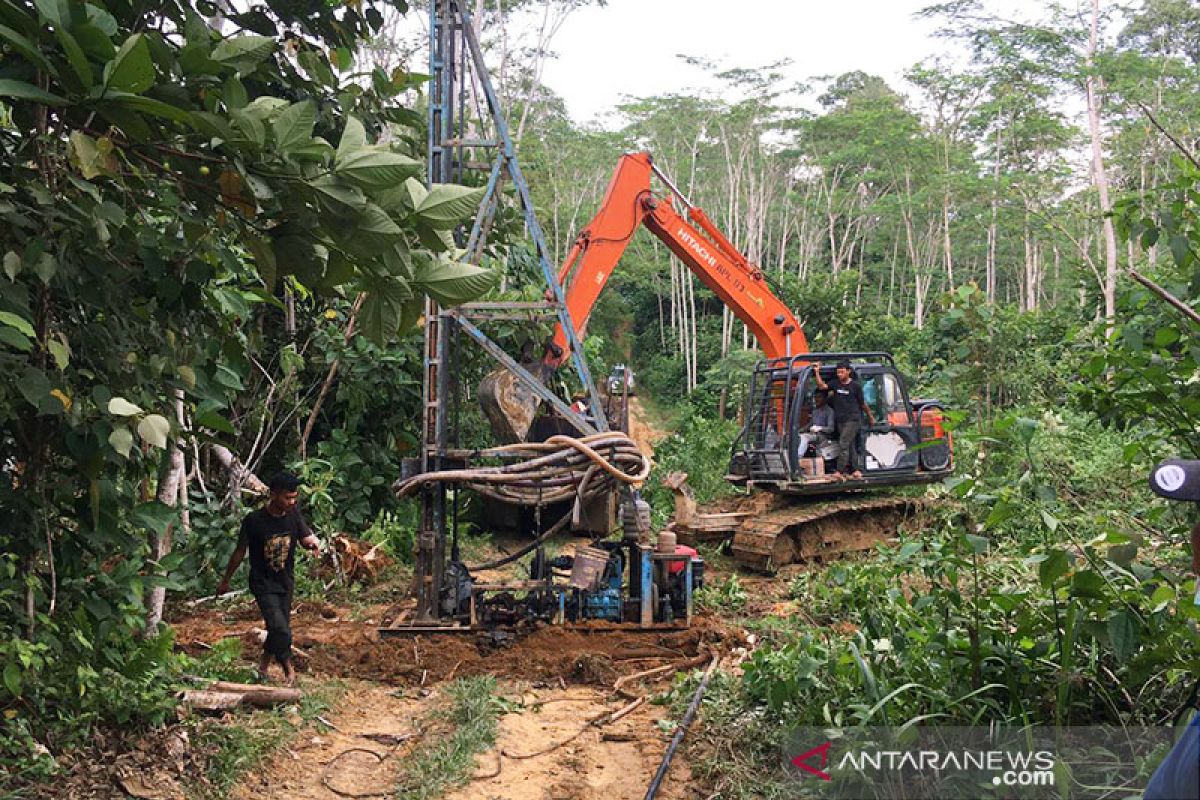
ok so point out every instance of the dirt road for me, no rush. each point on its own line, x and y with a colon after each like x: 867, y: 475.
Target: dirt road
x: 555, y: 681
x: 642, y: 428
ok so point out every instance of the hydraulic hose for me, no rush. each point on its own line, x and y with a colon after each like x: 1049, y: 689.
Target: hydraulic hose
x: 560, y: 469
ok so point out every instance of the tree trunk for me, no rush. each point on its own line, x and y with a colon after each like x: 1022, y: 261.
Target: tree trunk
x: 160, y: 544
x: 1099, y: 175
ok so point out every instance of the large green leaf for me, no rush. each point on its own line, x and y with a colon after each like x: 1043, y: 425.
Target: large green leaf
x: 56, y: 12
x: 264, y: 259
x: 148, y: 105
x: 376, y: 224
x: 94, y: 42
x: 293, y: 127
x: 248, y: 50
x: 234, y: 93
x: 121, y: 440
x: 91, y: 159
x: 15, y: 340
x: 27, y: 91
x: 75, y: 57
x: 34, y: 387
x: 410, y: 313
x: 250, y: 126
x: 354, y: 138
x: 383, y: 309
x: 131, y: 69
x: 12, y: 678
x: 377, y: 168
x: 448, y: 204
x: 155, y: 516
x: 1123, y: 632
x: 316, y: 151
x: 18, y: 322
x: 12, y: 265
x: 100, y: 18
x: 452, y: 282
x: 1053, y: 567
x: 213, y: 125
x: 121, y: 407
x: 27, y: 49
x: 337, y: 196
x: 194, y: 60
x: 414, y: 192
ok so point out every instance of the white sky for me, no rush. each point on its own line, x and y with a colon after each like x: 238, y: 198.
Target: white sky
x: 629, y: 47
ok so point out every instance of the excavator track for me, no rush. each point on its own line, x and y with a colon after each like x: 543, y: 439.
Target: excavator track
x: 818, y: 531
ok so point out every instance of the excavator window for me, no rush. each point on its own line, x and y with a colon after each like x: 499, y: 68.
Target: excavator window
x: 886, y: 399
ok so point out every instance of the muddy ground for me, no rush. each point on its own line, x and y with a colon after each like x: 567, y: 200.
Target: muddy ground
x: 559, y: 678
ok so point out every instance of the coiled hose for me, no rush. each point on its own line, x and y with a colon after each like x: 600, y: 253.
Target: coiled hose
x: 560, y: 469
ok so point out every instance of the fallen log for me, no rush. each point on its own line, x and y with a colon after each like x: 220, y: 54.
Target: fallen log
x: 223, y: 696
x: 258, y: 695
x: 211, y: 701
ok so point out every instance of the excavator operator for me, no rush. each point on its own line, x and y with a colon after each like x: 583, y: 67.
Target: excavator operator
x: 849, y: 408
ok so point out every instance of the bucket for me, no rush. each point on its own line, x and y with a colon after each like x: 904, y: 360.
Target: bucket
x: 588, y: 567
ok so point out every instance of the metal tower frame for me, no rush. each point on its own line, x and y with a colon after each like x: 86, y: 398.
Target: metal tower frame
x: 462, y: 102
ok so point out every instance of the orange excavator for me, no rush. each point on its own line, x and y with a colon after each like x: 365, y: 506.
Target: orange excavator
x: 777, y: 450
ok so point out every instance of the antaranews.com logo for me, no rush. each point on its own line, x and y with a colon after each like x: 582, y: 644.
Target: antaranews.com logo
x: 973, y: 762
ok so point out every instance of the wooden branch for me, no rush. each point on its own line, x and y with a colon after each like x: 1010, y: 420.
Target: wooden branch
x: 1169, y: 298
x: 226, y: 596
x: 1178, y: 145
x: 239, y: 474
x: 659, y: 671
x: 333, y: 371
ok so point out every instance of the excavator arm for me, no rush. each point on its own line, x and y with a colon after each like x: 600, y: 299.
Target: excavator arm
x: 628, y: 203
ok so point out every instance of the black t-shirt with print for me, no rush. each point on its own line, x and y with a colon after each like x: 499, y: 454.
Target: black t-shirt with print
x: 271, y: 542
x: 847, y: 400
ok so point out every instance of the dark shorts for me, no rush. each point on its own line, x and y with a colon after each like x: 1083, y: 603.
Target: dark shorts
x: 277, y: 613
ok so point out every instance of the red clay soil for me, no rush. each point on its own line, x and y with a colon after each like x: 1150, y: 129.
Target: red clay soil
x: 337, y: 646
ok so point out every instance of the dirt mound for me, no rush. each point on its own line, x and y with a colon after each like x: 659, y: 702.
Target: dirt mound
x: 330, y: 643
x: 548, y: 654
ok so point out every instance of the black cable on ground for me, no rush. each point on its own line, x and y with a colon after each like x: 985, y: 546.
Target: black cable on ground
x: 684, y: 724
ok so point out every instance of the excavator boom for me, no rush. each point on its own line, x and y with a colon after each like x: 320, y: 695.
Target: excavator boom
x: 629, y: 203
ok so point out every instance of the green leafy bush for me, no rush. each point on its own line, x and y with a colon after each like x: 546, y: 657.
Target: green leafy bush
x: 700, y: 447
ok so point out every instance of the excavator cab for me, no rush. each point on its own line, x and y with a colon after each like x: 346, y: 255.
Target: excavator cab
x: 777, y: 451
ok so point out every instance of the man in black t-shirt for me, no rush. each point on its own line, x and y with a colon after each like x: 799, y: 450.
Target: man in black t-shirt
x: 845, y: 395
x: 270, y: 535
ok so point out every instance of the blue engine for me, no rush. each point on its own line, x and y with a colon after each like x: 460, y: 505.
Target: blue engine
x: 606, y: 602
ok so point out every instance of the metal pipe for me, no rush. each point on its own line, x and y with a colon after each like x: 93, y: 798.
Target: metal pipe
x: 684, y: 724
x: 662, y: 176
